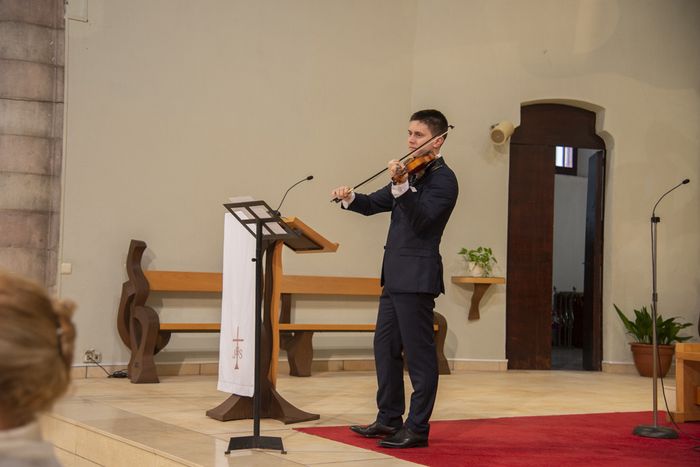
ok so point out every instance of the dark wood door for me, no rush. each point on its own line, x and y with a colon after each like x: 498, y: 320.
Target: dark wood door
x: 593, y: 275
x: 530, y: 232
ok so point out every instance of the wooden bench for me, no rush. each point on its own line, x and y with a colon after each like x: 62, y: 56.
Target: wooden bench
x: 296, y: 337
x: 142, y: 332
x: 687, y: 382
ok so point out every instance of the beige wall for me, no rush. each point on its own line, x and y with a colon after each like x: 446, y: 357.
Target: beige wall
x: 636, y: 63
x: 172, y: 108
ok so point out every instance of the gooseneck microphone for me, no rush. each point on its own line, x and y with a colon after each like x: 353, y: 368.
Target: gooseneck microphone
x: 277, y: 211
x: 653, y: 211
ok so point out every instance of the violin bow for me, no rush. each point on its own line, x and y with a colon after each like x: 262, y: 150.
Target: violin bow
x: 449, y: 127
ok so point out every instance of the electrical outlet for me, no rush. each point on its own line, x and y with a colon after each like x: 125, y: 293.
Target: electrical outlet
x: 92, y: 356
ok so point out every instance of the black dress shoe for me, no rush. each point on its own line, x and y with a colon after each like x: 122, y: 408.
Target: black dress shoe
x: 405, y: 438
x: 375, y: 430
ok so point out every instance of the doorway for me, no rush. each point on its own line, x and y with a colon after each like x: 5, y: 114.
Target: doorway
x: 533, y: 323
x: 571, y: 167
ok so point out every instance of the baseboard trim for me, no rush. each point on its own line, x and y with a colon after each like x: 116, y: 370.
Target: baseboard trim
x: 628, y: 368
x: 318, y: 365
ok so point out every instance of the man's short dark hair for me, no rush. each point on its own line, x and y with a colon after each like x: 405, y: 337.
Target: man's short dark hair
x: 433, y: 119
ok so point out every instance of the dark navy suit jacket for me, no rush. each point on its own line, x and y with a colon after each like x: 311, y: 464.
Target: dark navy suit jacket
x: 412, y: 261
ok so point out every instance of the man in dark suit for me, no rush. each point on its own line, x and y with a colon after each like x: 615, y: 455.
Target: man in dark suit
x: 420, y: 206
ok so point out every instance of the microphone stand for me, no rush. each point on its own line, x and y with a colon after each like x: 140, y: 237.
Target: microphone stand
x: 655, y: 431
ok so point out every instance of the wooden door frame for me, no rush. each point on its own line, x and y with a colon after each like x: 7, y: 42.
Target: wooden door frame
x: 548, y: 125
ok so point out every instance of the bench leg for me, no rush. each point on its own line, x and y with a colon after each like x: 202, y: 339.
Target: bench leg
x: 440, y: 335
x: 144, y: 334
x: 300, y: 353
x: 124, y: 312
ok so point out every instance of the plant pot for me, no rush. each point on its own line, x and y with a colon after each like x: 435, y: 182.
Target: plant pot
x: 474, y: 270
x: 643, y: 359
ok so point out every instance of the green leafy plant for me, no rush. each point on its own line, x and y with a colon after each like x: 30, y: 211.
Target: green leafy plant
x: 481, y: 256
x: 641, y: 328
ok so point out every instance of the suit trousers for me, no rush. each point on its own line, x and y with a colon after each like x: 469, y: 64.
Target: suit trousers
x: 405, y: 330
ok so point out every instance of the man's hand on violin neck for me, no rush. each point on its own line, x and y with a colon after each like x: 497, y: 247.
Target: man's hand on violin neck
x: 342, y: 193
x: 397, y: 171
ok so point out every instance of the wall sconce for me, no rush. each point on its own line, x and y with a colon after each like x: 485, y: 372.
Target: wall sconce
x: 500, y: 132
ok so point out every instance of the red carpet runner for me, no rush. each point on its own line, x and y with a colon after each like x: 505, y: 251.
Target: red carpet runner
x: 561, y: 440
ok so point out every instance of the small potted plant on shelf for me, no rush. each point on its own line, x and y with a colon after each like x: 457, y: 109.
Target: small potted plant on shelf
x: 480, y: 261
x: 666, y: 335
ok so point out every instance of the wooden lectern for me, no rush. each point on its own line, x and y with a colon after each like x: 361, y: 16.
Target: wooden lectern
x: 309, y: 241
x: 272, y: 404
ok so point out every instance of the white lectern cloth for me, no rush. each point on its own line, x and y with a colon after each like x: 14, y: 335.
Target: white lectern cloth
x: 237, y: 344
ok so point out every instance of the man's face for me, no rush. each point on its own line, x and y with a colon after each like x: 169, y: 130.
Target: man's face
x: 418, y: 133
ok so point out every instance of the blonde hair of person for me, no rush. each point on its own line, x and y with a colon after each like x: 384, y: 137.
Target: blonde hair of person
x: 37, y: 339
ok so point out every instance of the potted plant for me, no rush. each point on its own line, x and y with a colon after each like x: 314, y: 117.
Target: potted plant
x: 480, y: 261
x: 666, y: 335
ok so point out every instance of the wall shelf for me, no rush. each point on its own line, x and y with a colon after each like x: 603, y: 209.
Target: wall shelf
x: 481, y: 284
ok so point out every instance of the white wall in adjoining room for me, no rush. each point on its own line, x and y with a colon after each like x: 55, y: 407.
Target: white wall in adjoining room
x: 569, y: 232
x: 569, y: 240
x: 173, y: 107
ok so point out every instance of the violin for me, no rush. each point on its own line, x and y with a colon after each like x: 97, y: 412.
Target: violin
x: 417, y: 163
x: 414, y: 165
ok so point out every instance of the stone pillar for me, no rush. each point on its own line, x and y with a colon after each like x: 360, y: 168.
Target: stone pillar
x: 31, y: 136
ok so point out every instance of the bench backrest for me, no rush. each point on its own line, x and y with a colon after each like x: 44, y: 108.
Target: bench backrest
x: 330, y: 285
x: 183, y: 281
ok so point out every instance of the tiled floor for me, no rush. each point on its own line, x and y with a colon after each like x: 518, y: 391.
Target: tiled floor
x: 113, y: 422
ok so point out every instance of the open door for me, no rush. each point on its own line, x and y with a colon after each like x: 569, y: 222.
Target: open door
x: 593, y: 275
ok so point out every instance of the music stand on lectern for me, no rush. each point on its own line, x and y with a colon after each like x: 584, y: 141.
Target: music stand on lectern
x: 267, y: 227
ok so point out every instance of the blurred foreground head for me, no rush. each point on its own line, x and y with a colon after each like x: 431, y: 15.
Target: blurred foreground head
x: 37, y: 340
